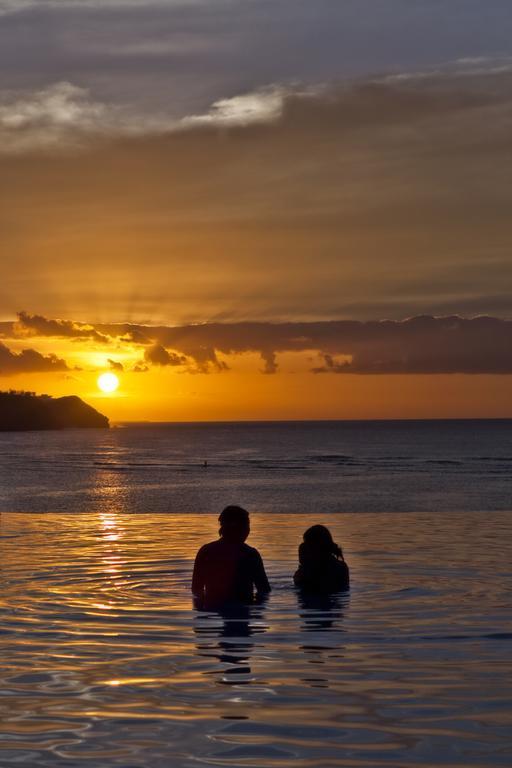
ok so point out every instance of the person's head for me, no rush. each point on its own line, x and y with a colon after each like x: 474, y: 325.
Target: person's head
x: 234, y: 524
x: 318, y: 544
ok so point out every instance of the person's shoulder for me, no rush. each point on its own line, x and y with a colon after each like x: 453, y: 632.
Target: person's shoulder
x: 342, y: 573
x: 211, y: 546
x: 340, y: 566
x: 251, y: 551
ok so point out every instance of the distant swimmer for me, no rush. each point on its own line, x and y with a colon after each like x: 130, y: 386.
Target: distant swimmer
x: 205, y: 465
x: 229, y: 570
x: 322, y: 568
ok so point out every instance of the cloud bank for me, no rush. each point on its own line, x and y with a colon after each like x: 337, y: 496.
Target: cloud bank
x: 28, y: 361
x: 37, y: 325
x: 188, y: 54
x: 418, y: 345
x: 158, y: 355
x: 63, y: 116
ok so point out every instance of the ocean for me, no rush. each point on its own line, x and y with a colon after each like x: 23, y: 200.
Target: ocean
x: 105, y: 662
x: 331, y: 467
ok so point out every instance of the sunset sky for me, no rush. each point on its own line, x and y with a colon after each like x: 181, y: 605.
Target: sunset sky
x: 258, y: 210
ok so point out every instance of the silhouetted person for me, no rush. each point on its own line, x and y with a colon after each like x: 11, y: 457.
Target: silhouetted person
x: 229, y: 570
x: 322, y: 569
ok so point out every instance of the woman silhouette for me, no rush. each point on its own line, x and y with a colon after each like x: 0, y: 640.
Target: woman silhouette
x: 322, y: 569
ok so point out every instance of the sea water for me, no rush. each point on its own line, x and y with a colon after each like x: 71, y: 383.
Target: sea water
x: 104, y: 661
x: 437, y: 466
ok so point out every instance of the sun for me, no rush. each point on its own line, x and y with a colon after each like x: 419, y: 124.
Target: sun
x: 108, y: 382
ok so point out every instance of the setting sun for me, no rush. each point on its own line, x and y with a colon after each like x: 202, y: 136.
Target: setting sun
x: 108, y: 382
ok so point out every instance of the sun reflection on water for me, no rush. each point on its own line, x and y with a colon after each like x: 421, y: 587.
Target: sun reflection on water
x: 110, y: 527
x: 105, y: 662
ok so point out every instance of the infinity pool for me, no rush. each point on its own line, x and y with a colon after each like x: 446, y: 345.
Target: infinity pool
x: 105, y: 663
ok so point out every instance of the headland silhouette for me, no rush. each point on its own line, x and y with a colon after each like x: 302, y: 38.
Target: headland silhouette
x: 23, y: 411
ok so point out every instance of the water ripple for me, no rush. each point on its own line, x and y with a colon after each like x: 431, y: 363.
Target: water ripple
x: 105, y: 663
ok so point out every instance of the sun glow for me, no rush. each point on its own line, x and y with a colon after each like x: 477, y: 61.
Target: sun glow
x: 108, y: 382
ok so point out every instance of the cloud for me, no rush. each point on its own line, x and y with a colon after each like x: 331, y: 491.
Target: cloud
x: 185, y: 55
x: 134, y: 336
x: 262, y: 106
x: 424, y: 345
x: 12, y: 6
x: 7, y: 329
x: 115, y: 366
x: 37, y: 325
x: 52, y: 117
x: 270, y: 359
x: 63, y: 116
x: 203, y: 356
x: 158, y: 355
x: 418, y: 345
x: 60, y: 106
x: 28, y: 361
x: 368, y: 199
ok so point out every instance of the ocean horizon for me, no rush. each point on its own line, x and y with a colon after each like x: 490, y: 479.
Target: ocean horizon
x: 149, y: 422
x: 286, y: 467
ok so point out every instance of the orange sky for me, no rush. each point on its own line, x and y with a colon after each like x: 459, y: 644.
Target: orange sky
x: 244, y: 392
x: 263, y: 259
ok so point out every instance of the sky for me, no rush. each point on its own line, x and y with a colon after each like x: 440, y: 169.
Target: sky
x: 258, y: 210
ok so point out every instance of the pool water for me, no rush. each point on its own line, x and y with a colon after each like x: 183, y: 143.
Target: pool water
x: 105, y: 662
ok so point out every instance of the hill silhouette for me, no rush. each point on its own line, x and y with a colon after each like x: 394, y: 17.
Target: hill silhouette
x: 26, y: 411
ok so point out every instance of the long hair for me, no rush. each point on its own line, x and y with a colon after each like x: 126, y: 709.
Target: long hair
x: 318, y: 544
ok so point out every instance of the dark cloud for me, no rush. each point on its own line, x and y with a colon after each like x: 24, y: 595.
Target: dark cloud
x: 158, y: 355
x: 189, y: 54
x: 115, y: 365
x: 37, y: 325
x: 206, y: 359
x: 418, y: 345
x: 135, y: 337
x: 7, y: 329
x: 270, y: 360
x: 428, y: 345
x: 203, y: 356
x: 140, y: 368
x: 28, y: 361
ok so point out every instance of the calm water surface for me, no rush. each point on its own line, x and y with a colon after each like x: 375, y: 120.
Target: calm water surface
x: 104, y: 662
x: 386, y: 467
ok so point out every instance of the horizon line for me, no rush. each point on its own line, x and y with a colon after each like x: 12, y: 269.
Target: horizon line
x: 310, y: 421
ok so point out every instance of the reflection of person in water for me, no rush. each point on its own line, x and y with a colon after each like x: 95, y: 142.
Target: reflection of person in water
x: 229, y: 570
x: 239, y: 623
x: 319, y: 611
x: 321, y: 618
x: 322, y: 569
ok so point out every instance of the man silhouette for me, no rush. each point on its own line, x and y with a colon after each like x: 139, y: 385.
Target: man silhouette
x: 229, y: 570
